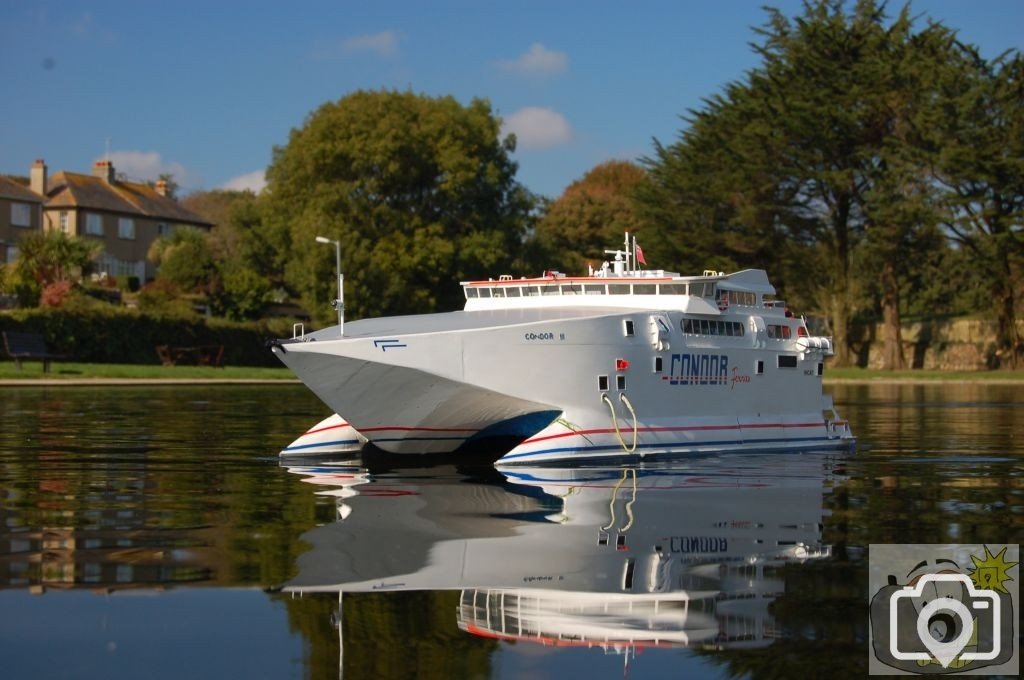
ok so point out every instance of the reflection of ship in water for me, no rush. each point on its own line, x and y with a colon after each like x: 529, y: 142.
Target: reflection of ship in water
x: 618, y: 558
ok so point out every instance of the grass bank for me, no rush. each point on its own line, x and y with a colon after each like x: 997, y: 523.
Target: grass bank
x: 72, y: 371
x: 868, y: 375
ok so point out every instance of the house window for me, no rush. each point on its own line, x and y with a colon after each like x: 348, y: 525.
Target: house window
x: 164, y: 229
x: 12, y: 254
x: 126, y: 228
x: 64, y: 221
x: 21, y: 215
x: 94, y: 224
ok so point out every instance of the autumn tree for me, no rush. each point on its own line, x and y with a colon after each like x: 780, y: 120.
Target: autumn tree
x: 590, y: 216
x: 420, y: 191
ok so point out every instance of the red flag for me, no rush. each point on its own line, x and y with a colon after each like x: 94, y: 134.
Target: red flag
x: 640, y: 256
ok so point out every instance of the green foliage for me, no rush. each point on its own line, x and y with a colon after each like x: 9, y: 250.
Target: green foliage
x: 591, y: 216
x: 46, y: 257
x: 92, y: 331
x: 819, y: 165
x: 186, y: 260
x: 420, y: 192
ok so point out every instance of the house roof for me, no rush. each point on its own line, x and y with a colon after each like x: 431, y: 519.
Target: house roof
x: 17, y: 191
x: 74, y: 190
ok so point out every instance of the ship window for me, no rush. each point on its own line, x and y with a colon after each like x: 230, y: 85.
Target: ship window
x: 470, y: 293
x: 620, y: 382
x: 602, y: 383
x: 644, y: 289
x: 659, y: 365
x: 618, y: 289
x: 512, y: 292
x: 627, y: 328
x: 673, y: 289
x: 759, y: 367
x: 821, y: 368
x: 485, y: 292
x: 498, y: 292
x: 549, y: 290
x: 705, y: 327
x: 593, y: 289
x: 738, y: 329
x: 787, y: 361
x: 686, y: 325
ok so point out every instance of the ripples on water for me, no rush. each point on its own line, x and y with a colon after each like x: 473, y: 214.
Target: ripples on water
x: 152, y: 531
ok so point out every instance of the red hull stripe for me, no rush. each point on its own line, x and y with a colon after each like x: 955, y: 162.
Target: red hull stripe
x: 324, y: 429
x: 692, y: 428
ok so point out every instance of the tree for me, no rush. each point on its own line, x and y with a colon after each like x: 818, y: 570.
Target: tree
x: 185, y: 260
x: 817, y: 147
x: 420, y: 191
x: 981, y: 168
x: 590, y: 216
x: 245, y: 263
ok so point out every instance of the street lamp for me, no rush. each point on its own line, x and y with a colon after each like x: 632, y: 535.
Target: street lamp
x: 338, y: 304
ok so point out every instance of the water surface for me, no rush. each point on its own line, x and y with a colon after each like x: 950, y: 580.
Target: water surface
x: 152, y: 531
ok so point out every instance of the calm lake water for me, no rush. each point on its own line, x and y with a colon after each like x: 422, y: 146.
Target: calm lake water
x: 151, y: 532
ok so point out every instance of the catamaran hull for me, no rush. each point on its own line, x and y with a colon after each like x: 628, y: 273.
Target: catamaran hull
x: 407, y: 410
x: 581, y: 386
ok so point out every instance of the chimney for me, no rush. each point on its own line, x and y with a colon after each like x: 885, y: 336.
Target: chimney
x: 104, y: 170
x: 37, y: 177
x: 161, y: 187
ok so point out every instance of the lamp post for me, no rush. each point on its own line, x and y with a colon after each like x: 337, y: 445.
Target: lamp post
x: 338, y: 304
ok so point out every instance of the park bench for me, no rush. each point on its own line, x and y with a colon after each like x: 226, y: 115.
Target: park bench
x: 29, y: 346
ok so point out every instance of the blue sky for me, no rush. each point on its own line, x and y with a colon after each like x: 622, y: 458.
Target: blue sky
x: 205, y: 90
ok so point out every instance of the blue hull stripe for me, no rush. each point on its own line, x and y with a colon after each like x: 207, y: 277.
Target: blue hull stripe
x: 681, y: 446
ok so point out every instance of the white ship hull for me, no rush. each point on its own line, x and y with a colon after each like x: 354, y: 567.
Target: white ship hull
x: 568, y: 383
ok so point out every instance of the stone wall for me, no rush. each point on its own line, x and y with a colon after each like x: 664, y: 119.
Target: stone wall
x: 940, y: 345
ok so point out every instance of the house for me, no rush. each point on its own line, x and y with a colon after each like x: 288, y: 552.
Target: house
x: 126, y: 217
x: 21, y: 212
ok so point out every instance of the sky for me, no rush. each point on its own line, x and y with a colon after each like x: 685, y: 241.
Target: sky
x: 206, y: 90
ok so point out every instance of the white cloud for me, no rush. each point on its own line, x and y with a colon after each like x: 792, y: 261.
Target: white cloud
x: 537, y: 128
x: 253, y: 181
x: 148, y: 166
x: 537, y: 61
x: 384, y: 44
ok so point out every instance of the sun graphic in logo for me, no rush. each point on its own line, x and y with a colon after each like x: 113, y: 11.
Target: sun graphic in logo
x: 991, y: 572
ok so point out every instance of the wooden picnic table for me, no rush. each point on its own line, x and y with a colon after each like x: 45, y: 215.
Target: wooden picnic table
x: 200, y: 355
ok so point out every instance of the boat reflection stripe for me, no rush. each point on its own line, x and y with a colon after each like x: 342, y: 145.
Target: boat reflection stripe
x: 681, y: 446
x: 686, y: 428
x: 337, y: 442
x: 417, y: 439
